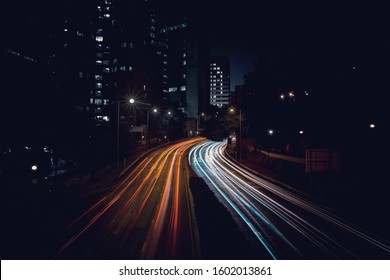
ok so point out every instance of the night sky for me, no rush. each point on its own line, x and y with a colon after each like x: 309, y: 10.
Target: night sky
x: 328, y: 38
x: 320, y: 31
x: 322, y: 41
x: 339, y: 52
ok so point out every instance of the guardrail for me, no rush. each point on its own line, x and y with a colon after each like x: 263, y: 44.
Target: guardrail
x: 284, y: 157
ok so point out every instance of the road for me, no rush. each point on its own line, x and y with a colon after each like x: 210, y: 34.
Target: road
x: 147, y: 215
x: 279, y: 220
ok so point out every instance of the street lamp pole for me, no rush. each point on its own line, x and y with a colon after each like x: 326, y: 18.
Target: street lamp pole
x: 131, y: 101
x: 147, y: 130
x: 197, y: 124
x: 240, y: 135
x: 117, y: 134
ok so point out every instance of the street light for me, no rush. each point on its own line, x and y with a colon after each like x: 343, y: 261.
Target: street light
x: 147, y: 106
x: 240, y: 138
x: 131, y: 101
x: 198, y: 122
x: 147, y: 127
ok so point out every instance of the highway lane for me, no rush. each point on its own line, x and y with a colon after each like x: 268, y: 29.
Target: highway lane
x: 148, y: 215
x: 282, y: 222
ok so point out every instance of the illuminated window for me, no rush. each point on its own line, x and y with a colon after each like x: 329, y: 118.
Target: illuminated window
x: 106, y: 15
x: 99, y: 38
x: 106, y: 70
x: 122, y: 68
x: 98, y: 102
x: 184, y: 76
x: 183, y: 88
x: 184, y: 62
x: 98, y: 77
x: 172, y: 89
x: 98, y: 62
x: 98, y: 93
x: 106, y: 102
x: 98, y: 85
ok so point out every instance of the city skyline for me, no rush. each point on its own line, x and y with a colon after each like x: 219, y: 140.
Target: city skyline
x: 146, y: 129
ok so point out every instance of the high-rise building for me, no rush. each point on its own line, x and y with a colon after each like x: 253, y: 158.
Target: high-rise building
x: 122, y: 49
x: 174, y: 37
x: 112, y: 54
x: 104, y: 64
x: 219, y: 81
x: 186, y: 60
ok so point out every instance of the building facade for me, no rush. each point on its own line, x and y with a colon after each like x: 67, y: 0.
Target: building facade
x: 219, y: 81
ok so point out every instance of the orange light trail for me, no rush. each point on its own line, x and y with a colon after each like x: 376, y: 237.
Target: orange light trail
x: 158, y: 186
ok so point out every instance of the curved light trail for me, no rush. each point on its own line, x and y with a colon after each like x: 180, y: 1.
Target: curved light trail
x: 285, y: 224
x: 146, y: 216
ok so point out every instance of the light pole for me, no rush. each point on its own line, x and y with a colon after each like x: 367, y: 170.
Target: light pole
x: 198, y: 126
x: 147, y: 136
x: 148, y: 107
x: 131, y: 101
x: 240, y: 137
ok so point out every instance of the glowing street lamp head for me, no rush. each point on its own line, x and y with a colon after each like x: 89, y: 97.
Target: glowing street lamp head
x: 34, y: 167
x: 270, y: 132
x: 131, y: 100
x: 372, y: 125
x: 155, y: 110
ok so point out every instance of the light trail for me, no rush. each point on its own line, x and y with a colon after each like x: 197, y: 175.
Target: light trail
x: 286, y: 224
x: 150, y: 200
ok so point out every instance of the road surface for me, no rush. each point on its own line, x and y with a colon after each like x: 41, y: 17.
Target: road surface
x: 147, y: 215
x: 279, y: 220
